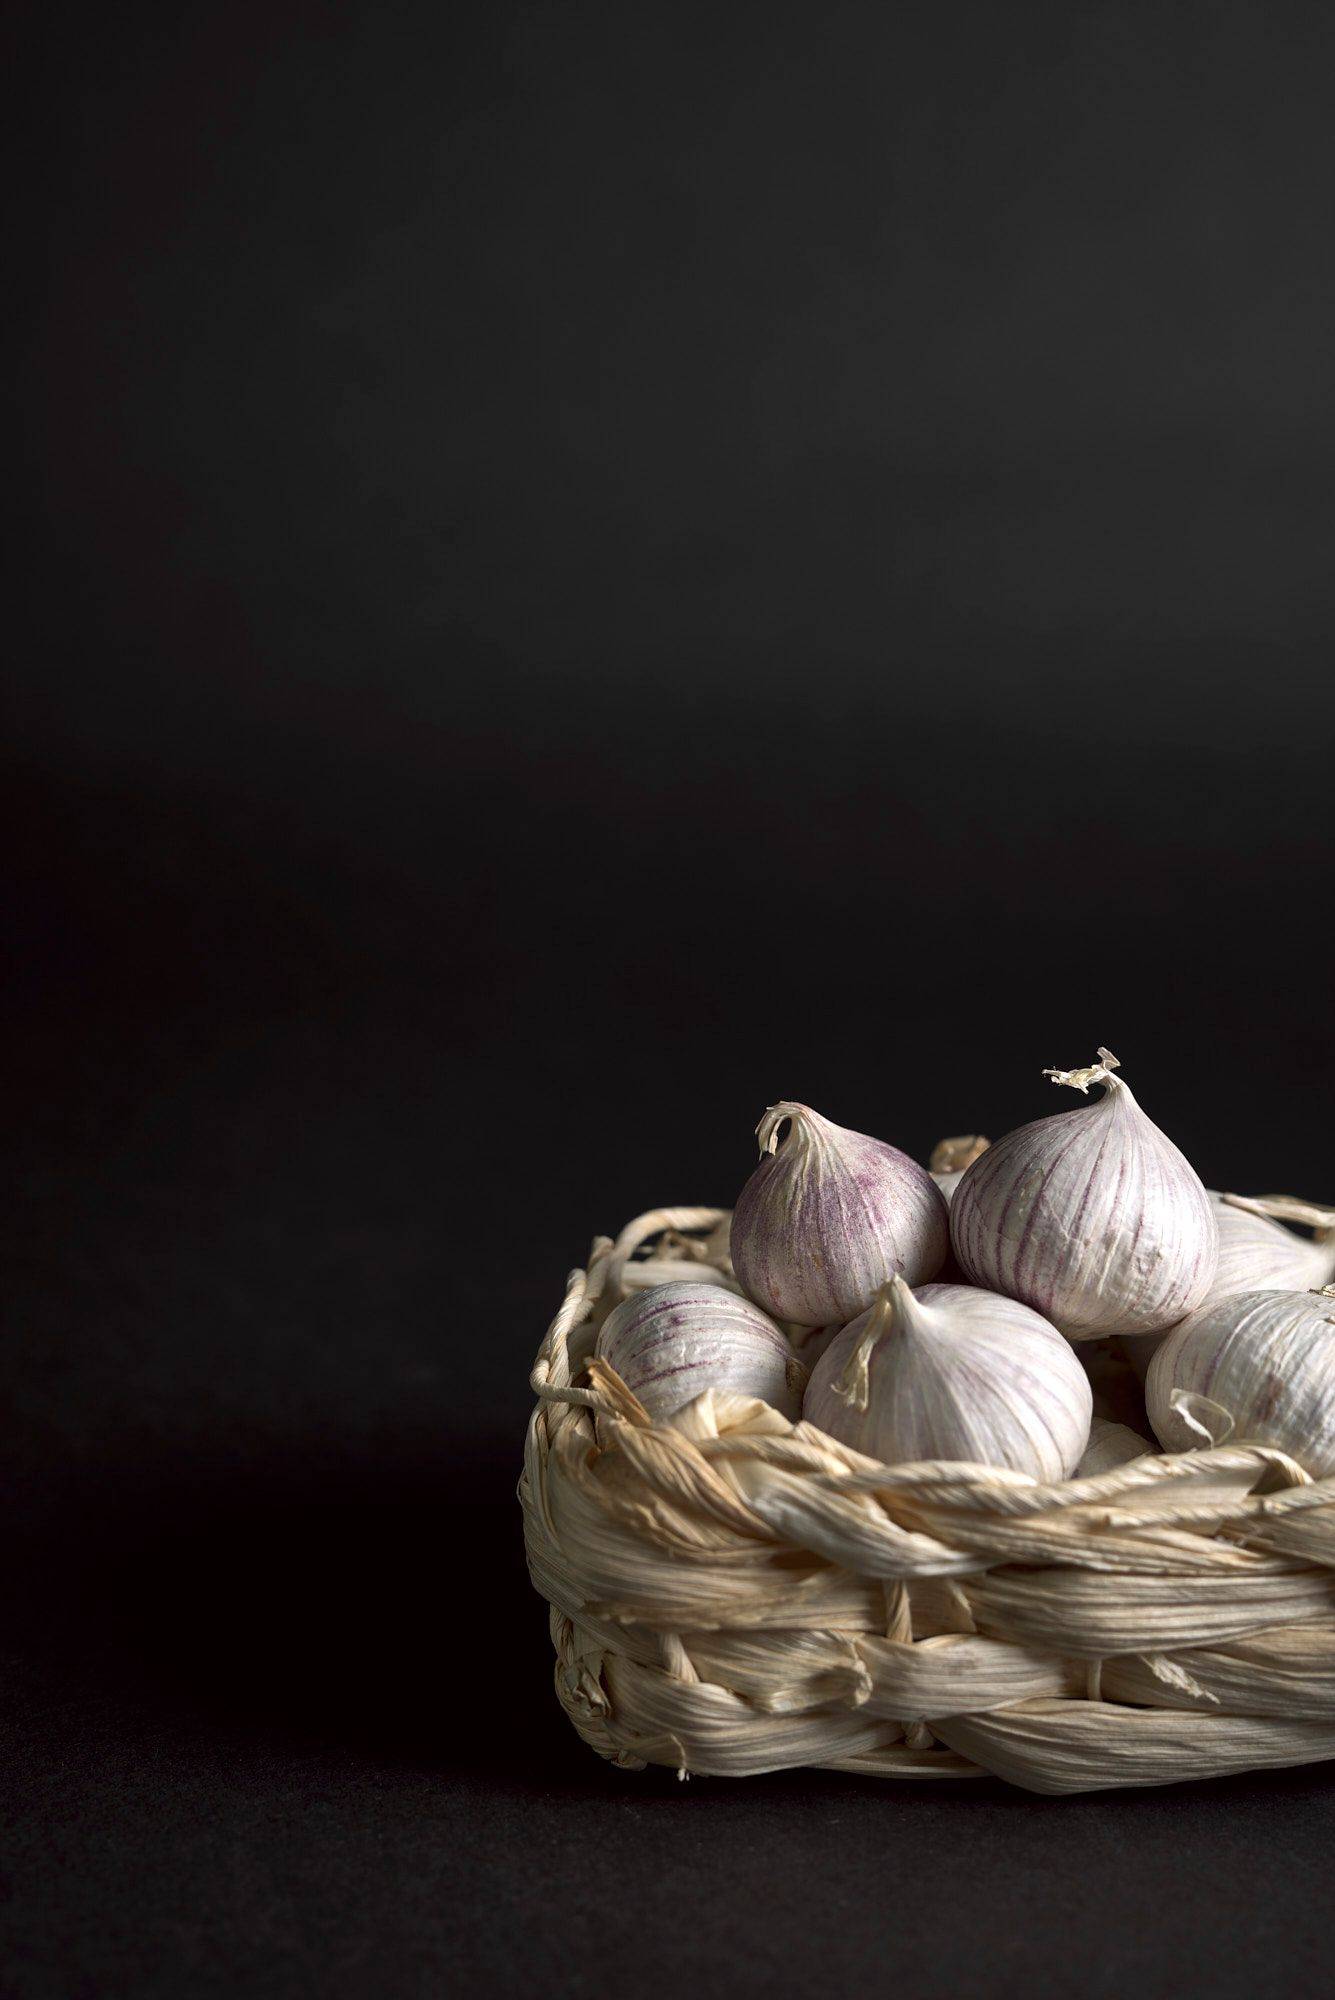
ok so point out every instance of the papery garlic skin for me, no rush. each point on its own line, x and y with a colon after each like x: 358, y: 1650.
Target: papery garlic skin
x: 671, y: 1343
x: 950, y: 1158
x: 1256, y: 1254
x: 1110, y: 1445
x: 1092, y: 1217
x: 950, y: 1372
x: 828, y: 1216
x: 1258, y: 1368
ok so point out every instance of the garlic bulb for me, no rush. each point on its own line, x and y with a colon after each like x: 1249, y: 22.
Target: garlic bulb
x: 828, y: 1216
x: 674, y: 1341
x: 810, y: 1342
x: 1092, y: 1217
x: 1258, y: 1368
x: 1257, y: 1254
x: 950, y: 1157
x: 1110, y: 1445
x: 951, y: 1372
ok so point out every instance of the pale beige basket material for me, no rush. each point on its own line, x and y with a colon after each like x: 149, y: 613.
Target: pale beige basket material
x: 732, y: 1594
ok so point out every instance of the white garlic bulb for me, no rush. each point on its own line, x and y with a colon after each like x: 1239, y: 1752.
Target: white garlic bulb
x: 828, y: 1216
x: 1257, y: 1254
x: 950, y: 1157
x: 1110, y: 1445
x: 955, y: 1373
x: 810, y: 1342
x: 1092, y: 1217
x: 1258, y: 1368
x: 671, y: 1343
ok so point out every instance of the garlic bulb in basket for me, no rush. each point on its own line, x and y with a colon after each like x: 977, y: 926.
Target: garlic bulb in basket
x: 1092, y: 1217
x: 1258, y: 1254
x: 828, y: 1216
x: 952, y: 1372
x: 950, y: 1157
x: 1110, y: 1445
x: 810, y: 1342
x: 671, y: 1343
x: 1258, y: 1368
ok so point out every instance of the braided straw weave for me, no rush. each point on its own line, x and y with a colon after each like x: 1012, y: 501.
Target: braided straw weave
x: 731, y: 1593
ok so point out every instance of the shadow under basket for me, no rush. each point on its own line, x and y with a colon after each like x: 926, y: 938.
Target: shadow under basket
x: 731, y: 1593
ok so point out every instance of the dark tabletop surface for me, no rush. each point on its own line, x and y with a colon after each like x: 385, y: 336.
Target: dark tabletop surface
x: 579, y: 571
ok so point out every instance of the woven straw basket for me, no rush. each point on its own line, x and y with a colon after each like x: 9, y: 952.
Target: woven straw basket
x: 731, y: 1593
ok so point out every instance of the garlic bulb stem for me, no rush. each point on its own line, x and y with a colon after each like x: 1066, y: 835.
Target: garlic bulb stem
x: 952, y: 1156
x: 1287, y: 1208
x: 767, y: 1131
x: 1080, y: 1079
x: 854, y: 1384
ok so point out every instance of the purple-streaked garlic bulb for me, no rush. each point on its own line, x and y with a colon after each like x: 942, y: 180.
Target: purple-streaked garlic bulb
x: 828, y: 1216
x: 673, y: 1342
x: 950, y: 1372
x: 1092, y: 1217
x: 1258, y: 1254
x: 1110, y: 1445
x: 950, y: 1158
x: 1258, y: 1368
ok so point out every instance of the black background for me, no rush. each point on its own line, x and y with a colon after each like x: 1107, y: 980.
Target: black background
x: 574, y: 571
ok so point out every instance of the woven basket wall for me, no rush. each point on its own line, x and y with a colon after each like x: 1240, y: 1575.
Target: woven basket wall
x: 731, y: 1593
